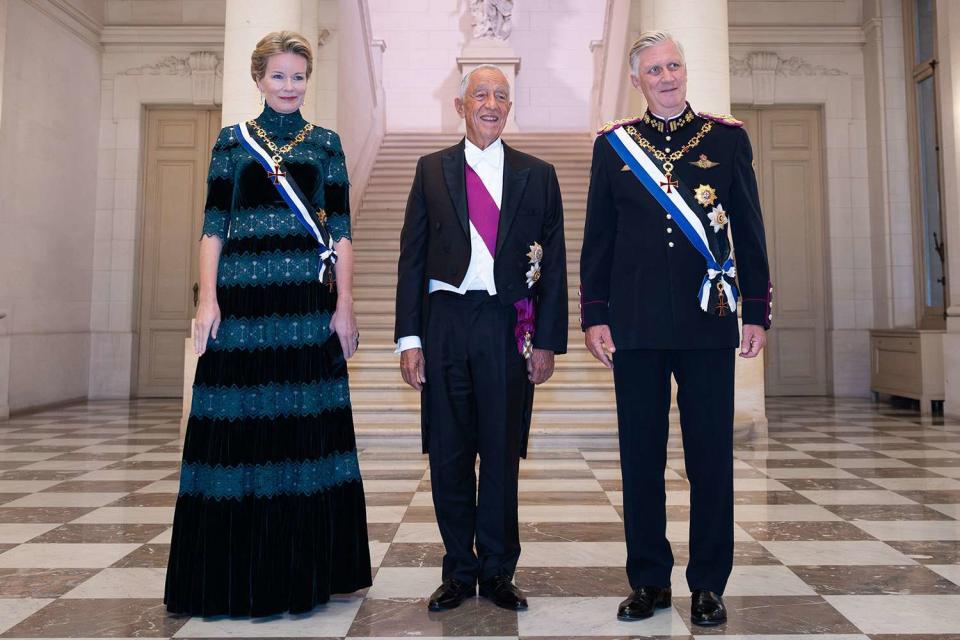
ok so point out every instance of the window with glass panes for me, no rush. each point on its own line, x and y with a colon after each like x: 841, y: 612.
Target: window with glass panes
x: 920, y: 47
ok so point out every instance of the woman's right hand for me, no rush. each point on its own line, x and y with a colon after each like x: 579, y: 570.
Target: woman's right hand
x: 207, y: 324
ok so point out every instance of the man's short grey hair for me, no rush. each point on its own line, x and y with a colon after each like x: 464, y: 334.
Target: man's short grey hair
x: 649, y: 39
x: 465, y: 81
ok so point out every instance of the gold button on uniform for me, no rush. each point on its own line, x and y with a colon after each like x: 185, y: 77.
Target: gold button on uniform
x: 670, y: 244
x: 669, y: 230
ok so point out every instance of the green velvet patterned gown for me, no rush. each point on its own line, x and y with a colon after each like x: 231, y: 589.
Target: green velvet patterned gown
x: 270, y: 515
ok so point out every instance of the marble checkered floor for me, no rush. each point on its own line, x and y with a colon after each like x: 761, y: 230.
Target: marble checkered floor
x: 848, y: 526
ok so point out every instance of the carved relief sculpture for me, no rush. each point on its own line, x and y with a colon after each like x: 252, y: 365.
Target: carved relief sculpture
x: 491, y: 18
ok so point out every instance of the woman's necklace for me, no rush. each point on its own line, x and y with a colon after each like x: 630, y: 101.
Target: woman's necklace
x: 278, y: 152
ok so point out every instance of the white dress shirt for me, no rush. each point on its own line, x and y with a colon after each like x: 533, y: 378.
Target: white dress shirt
x: 488, y: 163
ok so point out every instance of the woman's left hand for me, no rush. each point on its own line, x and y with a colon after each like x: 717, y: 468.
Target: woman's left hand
x: 344, y: 324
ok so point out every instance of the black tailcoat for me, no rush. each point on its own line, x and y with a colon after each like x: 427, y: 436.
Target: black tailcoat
x: 639, y: 274
x: 435, y: 244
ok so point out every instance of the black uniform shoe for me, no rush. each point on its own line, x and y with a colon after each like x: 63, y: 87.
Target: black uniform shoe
x: 503, y: 593
x: 450, y: 595
x: 643, y: 602
x: 707, y: 608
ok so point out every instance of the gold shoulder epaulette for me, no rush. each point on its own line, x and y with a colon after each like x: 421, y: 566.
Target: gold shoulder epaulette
x: 722, y: 118
x: 615, y: 124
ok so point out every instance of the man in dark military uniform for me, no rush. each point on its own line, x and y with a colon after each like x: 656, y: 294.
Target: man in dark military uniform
x: 672, y: 194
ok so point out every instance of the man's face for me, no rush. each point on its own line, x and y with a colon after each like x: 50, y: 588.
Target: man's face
x: 662, y: 77
x: 485, y: 106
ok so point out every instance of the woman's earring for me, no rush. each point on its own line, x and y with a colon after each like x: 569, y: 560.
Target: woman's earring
x: 261, y: 98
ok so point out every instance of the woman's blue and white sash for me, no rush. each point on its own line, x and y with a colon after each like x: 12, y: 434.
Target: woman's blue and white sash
x: 290, y: 191
x: 690, y: 224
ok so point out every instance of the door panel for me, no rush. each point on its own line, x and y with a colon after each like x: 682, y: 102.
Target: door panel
x: 178, y: 143
x: 788, y: 158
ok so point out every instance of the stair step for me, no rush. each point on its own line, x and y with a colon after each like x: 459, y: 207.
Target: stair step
x: 579, y: 397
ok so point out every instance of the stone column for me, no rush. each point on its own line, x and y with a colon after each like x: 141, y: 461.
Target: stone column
x: 702, y: 29
x: 948, y: 79
x: 246, y: 22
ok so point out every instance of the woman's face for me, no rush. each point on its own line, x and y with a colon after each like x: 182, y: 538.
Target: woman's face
x: 285, y: 82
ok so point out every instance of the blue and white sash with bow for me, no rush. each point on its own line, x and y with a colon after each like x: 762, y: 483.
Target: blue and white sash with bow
x: 290, y: 191
x: 718, y: 274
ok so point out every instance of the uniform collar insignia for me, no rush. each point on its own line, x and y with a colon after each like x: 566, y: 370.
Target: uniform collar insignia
x: 669, y: 125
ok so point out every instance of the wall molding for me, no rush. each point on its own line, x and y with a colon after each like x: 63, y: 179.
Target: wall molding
x: 70, y: 18
x: 768, y: 62
x: 203, y: 37
x: 778, y: 35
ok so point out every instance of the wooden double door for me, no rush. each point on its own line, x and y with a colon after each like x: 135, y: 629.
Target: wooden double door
x: 177, y: 155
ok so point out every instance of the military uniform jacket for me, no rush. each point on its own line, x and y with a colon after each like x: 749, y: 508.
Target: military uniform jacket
x: 639, y: 273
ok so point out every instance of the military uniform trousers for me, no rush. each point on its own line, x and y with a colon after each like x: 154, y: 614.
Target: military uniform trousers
x: 475, y: 396
x: 705, y: 380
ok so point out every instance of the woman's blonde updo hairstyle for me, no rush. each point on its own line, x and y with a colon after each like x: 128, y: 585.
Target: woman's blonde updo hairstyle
x: 279, y: 42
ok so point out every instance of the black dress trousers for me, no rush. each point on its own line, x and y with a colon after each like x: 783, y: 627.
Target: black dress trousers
x: 475, y: 394
x: 705, y: 399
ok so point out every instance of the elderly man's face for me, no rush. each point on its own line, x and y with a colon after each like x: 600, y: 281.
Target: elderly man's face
x: 662, y: 77
x: 485, y: 106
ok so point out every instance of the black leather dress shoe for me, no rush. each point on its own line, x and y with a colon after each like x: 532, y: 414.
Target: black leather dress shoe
x: 643, y: 602
x: 450, y: 595
x: 503, y: 593
x: 707, y: 608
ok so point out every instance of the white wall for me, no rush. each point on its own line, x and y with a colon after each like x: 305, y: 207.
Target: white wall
x: 359, y: 95
x: 424, y: 38
x: 47, y: 200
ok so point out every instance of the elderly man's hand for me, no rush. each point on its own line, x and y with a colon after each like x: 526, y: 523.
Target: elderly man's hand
x: 413, y: 368
x: 540, y: 366
x: 753, y: 341
x: 600, y: 343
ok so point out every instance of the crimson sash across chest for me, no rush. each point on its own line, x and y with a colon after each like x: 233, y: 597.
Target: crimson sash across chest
x: 485, y: 216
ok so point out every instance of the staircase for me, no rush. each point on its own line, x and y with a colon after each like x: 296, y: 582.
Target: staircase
x: 577, y: 400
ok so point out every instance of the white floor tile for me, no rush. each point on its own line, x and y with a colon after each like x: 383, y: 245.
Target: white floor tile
x: 110, y: 475
x: 377, y: 551
x: 912, y: 529
x: 573, y: 554
x: 16, y: 610
x: 390, y: 486
x: 58, y: 499
x: 386, y: 514
x: 536, y: 485
x: 122, y: 583
x: 836, y: 552
x: 918, y: 484
x: 782, y: 512
x: 127, y: 515
x: 564, y: 513
x: 67, y: 556
x: 816, y: 474
x: 900, y: 614
x: 19, y: 532
x: 592, y: 617
x: 405, y: 582
x: 418, y: 532
x: 860, y: 496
